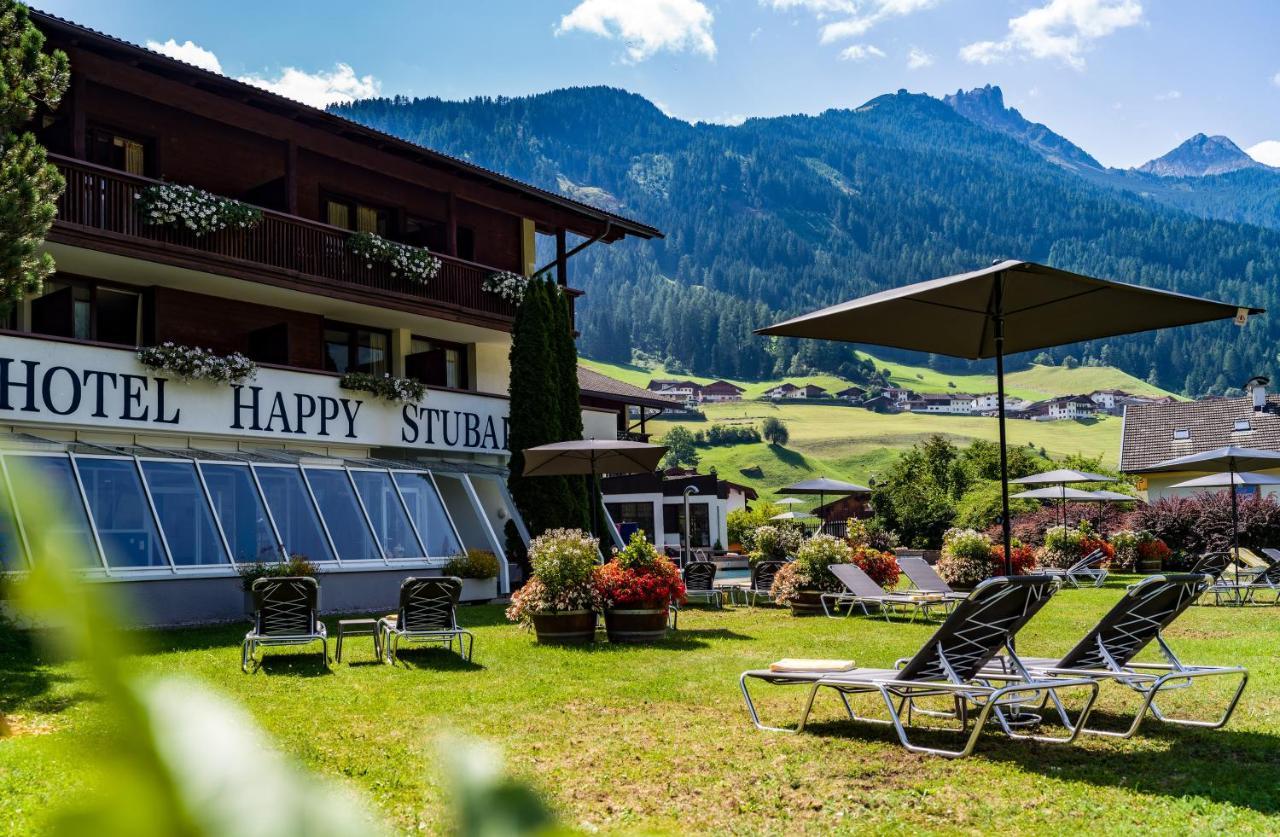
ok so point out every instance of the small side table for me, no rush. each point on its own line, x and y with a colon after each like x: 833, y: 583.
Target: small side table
x: 359, y: 627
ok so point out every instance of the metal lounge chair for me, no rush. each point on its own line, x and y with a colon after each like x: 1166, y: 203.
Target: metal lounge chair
x: 428, y: 613
x: 925, y: 578
x: 1213, y: 564
x: 1086, y: 570
x: 950, y: 665
x: 284, y: 613
x: 760, y: 584
x: 700, y: 583
x: 1107, y: 652
x: 861, y: 591
x: 1245, y: 591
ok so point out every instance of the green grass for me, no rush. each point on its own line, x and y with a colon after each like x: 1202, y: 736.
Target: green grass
x: 854, y: 444
x: 657, y: 739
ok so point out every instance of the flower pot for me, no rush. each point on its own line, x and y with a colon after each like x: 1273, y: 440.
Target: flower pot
x: 479, y: 589
x: 640, y: 622
x: 807, y: 603
x: 569, y: 627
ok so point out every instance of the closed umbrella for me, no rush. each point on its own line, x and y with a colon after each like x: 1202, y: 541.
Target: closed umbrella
x: 1011, y: 306
x: 594, y: 457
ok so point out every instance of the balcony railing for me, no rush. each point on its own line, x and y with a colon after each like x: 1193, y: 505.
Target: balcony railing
x: 107, y: 200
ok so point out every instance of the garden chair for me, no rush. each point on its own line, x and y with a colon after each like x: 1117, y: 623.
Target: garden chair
x: 1107, y: 652
x: 1212, y: 564
x: 860, y: 590
x: 1243, y: 592
x: 949, y: 665
x: 925, y: 578
x: 760, y: 583
x: 1085, y: 570
x: 700, y: 583
x: 428, y: 613
x: 284, y: 613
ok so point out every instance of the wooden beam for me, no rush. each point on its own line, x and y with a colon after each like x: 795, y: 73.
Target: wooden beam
x: 451, y: 225
x: 291, y: 176
x: 562, y: 261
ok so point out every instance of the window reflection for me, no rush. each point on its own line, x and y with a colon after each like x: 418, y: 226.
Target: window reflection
x: 428, y: 514
x: 341, y: 513
x: 293, y: 512
x: 121, y: 514
x: 56, y: 506
x: 184, y: 514
x: 390, y: 522
x: 241, y: 513
x: 11, y: 551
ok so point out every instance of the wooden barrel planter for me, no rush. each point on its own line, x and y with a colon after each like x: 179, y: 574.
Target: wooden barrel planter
x: 571, y: 627
x: 642, y: 622
x: 1149, y: 566
x: 807, y: 603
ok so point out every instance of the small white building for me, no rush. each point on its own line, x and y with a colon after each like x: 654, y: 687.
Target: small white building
x: 655, y: 503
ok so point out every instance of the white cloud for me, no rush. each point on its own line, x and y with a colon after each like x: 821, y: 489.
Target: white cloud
x: 1169, y: 96
x: 1061, y: 30
x: 189, y: 52
x: 854, y: 18
x: 1276, y: 79
x: 341, y: 84
x: 918, y: 59
x: 818, y: 8
x: 645, y: 26
x: 861, y: 52
x: 1266, y: 152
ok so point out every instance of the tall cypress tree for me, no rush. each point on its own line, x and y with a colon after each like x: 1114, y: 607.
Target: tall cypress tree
x: 577, y: 512
x: 29, y: 185
x: 534, y: 412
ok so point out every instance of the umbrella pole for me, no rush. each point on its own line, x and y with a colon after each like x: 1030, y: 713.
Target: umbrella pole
x: 1235, y: 523
x: 1006, y: 525
x: 595, y: 501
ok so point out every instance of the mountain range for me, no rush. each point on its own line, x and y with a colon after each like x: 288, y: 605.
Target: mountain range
x: 785, y: 214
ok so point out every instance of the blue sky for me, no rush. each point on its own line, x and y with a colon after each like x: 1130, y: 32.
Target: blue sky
x: 1125, y: 79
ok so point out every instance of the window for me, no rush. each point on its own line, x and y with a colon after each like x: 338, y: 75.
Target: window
x: 184, y: 514
x: 294, y: 513
x: 86, y: 310
x: 354, y: 349
x: 11, y: 551
x: 351, y: 214
x: 699, y: 522
x: 641, y: 514
x: 437, y: 363
x: 1242, y: 425
x: 341, y: 512
x: 108, y: 147
x: 390, y: 521
x: 121, y: 513
x: 464, y: 512
x: 70, y: 526
x: 428, y: 514
x: 1180, y: 434
x: 241, y: 513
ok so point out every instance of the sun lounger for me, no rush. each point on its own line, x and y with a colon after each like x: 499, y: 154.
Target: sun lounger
x: 1107, y: 652
x: 700, y: 583
x: 1086, y: 570
x: 284, y: 613
x: 861, y: 591
x: 925, y: 578
x: 949, y: 666
x: 428, y: 613
x: 1213, y: 564
x: 1246, y: 591
x: 760, y: 584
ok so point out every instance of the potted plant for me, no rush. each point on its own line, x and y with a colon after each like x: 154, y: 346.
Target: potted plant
x: 870, y: 550
x: 297, y: 565
x: 802, y: 582
x: 1064, y: 546
x: 637, y: 588
x: 773, y: 543
x: 478, y: 569
x: 559, y: 600
x: 966, y: 558
x: 1152, y: 554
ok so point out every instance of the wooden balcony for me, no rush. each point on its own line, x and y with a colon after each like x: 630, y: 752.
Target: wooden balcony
x: 100, y: 210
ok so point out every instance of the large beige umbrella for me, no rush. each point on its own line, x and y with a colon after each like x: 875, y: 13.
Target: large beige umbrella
x: 594, y: 457
x: 1011, y: 306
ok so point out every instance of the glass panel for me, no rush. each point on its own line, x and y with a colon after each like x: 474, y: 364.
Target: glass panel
x: 371, y: 352
x: 337, y: 350
x: 389, y: 519
x: 241, y: 513
x: 71, y: 524
x: 294, y: 514
x: 462, y: 511
x: 11, y: 552
x: 184, y: 514
x: 117, y: 317
x: 121, y: 513
x: 428, y: 514
x: 338, y: 214
x: 342, y: 515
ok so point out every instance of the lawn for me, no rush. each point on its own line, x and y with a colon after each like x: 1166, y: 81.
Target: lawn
x: 657, y: 739
x: 854, y: 444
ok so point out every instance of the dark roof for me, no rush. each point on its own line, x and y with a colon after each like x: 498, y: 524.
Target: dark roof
x: 340, y: 125
x: 723, y: 385
x: 592, y: 383
x: 1148, y: 429
x: 854, y: 390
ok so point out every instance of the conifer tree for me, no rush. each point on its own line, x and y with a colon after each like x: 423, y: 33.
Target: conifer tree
x: 534, y: 412
x: 29, y: 185
x: 577, y: 512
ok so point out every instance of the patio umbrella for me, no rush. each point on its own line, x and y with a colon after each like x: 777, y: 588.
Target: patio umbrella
x: 1104, y: 496
x: 791, y: 516
x: 1060, y: 493
x: 594, y: 457
x: 1061, y: 476
x: 1011, y: 306
x: 789, y: 501
x: 1233, y: 460
x: 822, y: 486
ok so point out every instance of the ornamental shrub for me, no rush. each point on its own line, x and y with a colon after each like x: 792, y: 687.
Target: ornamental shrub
x: 564, y: 563
x: 809, y: 570
x: 966, y: 558
x: 773, y: 543
x: 636, y: 575
x: 881, y: 566
x: 192, y: 363
x: 386, y: 386
x: 297, y: 566
x: 474, y: 563
x: 1064, y: 547
x: 415, y: 263
x: 1125, y: 543
x: 199, y: 211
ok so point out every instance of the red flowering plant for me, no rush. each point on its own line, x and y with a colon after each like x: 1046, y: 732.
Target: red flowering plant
x: 639, y: 575
x: 1024, y: 558
x: 1154, y: 550
x: 868, y: 552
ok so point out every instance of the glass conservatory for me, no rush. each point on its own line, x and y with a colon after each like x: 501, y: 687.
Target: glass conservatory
x: 136, y: 511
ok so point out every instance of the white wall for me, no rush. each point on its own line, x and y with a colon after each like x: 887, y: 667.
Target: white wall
x: 599, y: 424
